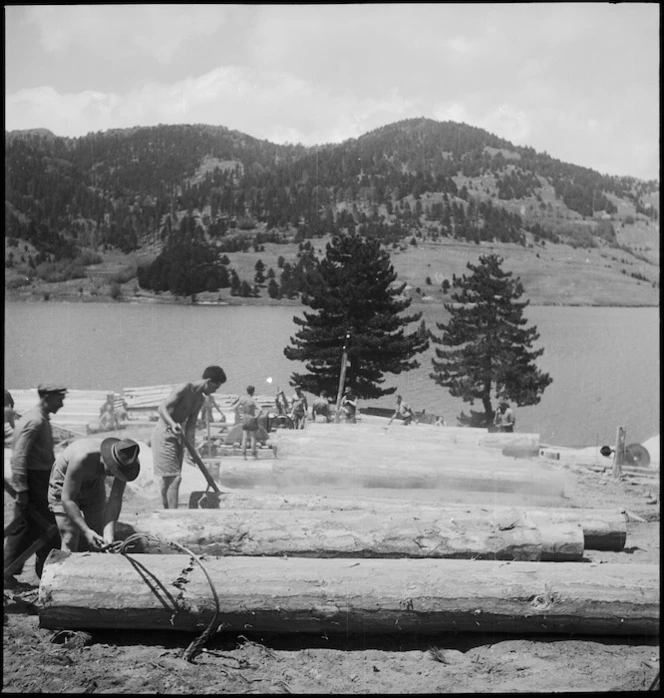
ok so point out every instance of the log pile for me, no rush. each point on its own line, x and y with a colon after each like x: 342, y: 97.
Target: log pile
x: 168, y: 592
x: 146, y: 399
x: 292, y: 562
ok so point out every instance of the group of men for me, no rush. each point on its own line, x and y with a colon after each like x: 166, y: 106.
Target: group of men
x: 69, y: 491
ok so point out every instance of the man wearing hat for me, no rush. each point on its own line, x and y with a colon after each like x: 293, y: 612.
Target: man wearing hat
x: 77, y: 490
x: 31, y: 461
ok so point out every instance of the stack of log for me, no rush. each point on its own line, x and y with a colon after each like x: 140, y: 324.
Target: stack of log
x: 80, y: 408
x: 357, y: 562
x: 144, y: 401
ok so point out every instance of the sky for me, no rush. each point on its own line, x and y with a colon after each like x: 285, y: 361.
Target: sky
x: 579, y: 81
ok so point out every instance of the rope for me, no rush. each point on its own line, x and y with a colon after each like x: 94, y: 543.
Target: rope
x: 196, y: 645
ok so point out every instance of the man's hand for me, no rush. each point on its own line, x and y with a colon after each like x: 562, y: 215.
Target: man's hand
x: 177, y: 429
x: 22, y: 499
x: 95, y: 541
x: 113, y: 547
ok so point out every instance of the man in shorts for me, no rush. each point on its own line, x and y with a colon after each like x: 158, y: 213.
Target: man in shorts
x: 77, y: 490
x: 178, y: 415
x: 249, y: 411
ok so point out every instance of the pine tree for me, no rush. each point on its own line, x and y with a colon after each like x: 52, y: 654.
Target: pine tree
x: 490, y: 348
x: 354, y: 293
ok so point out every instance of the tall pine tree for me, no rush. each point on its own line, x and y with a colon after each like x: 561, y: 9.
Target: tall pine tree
x: 353, y: 292
x: 488, y: 346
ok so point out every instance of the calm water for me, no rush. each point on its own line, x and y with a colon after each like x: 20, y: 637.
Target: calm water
x: 604, y: 361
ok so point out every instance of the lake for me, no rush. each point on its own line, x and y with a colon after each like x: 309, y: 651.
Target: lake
x: 604, y: 361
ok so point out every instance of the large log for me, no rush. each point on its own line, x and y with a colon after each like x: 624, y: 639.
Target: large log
x: 302, y: 595
x: 603, y: 529
x: 337, y: 533
x: 321, y: 468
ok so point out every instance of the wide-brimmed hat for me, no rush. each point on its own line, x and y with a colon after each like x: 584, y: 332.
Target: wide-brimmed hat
x: 51, y: 389
x: 121, y: 457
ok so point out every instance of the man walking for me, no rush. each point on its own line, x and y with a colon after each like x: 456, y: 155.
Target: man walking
x: 77, y: 490
x: 178, y: 415
x: 31, y: 462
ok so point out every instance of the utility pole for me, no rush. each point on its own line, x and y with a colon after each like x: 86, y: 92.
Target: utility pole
x: 342, y: 377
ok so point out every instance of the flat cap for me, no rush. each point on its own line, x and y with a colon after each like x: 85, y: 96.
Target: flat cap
x: 51, y: 389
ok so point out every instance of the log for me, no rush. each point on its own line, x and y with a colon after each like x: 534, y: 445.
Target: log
x: 325, y: 470
x: 603, y: 529
x: 338, y: 533
x: 302, y: 595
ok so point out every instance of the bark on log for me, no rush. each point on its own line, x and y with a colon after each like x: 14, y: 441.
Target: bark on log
x: 170, y: 592
x: 337, y: 533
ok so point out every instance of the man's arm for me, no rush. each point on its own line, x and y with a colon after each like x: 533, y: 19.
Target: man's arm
x: 71, y: 487
x: 24, y: 438
x: 113, y: 509
x: 167, y: 407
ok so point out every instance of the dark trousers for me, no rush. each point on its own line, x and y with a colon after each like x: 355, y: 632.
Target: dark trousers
x: 29, y: 530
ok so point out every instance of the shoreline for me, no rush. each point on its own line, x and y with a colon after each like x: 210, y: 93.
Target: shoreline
x: 54, y: 297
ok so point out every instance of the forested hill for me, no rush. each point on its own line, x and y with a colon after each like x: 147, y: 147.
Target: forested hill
x: 415, y: 179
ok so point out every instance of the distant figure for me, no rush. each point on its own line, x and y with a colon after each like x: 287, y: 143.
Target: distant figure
x: 440, y: 422
x: 504, y: 418
x: 321, y: 406
x: 108, y: 419
x: 208, y: 407
x: 178, y: 415
x: 250, y: 412
x: 31, y: 462
x: 349, y: 405
x: 77, y: 490
x: 403, y: 411
x: 299, y: 407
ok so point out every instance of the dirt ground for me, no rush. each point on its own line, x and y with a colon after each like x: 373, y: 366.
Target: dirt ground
x: 40, y: 660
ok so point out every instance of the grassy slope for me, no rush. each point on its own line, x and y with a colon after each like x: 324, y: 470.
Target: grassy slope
x: 551, y: 274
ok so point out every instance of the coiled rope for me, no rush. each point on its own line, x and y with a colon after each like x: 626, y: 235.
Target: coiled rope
x: 196, y: 645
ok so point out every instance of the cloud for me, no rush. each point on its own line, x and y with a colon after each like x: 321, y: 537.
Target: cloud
x: 232, y: 96
x: 156, y: 31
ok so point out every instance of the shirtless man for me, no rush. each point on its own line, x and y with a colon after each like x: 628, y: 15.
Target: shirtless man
x: 177, y: 416
x: 77, y: 490
x: 321, y: 406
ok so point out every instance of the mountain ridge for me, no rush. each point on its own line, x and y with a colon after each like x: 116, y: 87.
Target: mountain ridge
x: 413, y: 180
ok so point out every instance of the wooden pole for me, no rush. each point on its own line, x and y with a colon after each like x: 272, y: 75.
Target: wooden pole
x: 619, y: 454
x: 301, y: 595
x: 342, y: 378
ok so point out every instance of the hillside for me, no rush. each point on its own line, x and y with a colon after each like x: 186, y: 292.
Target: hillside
x: 84, y: 215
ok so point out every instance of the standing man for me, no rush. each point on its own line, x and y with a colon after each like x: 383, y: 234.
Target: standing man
x: 77, y: 490
x: 31, y: 462
x: 321, y: 405
x: 249, y: 411
x: 504, y: 418
x: 349, y: 406
x: 300, y: 407
x: 177, y: 416
x: 403, y: 410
